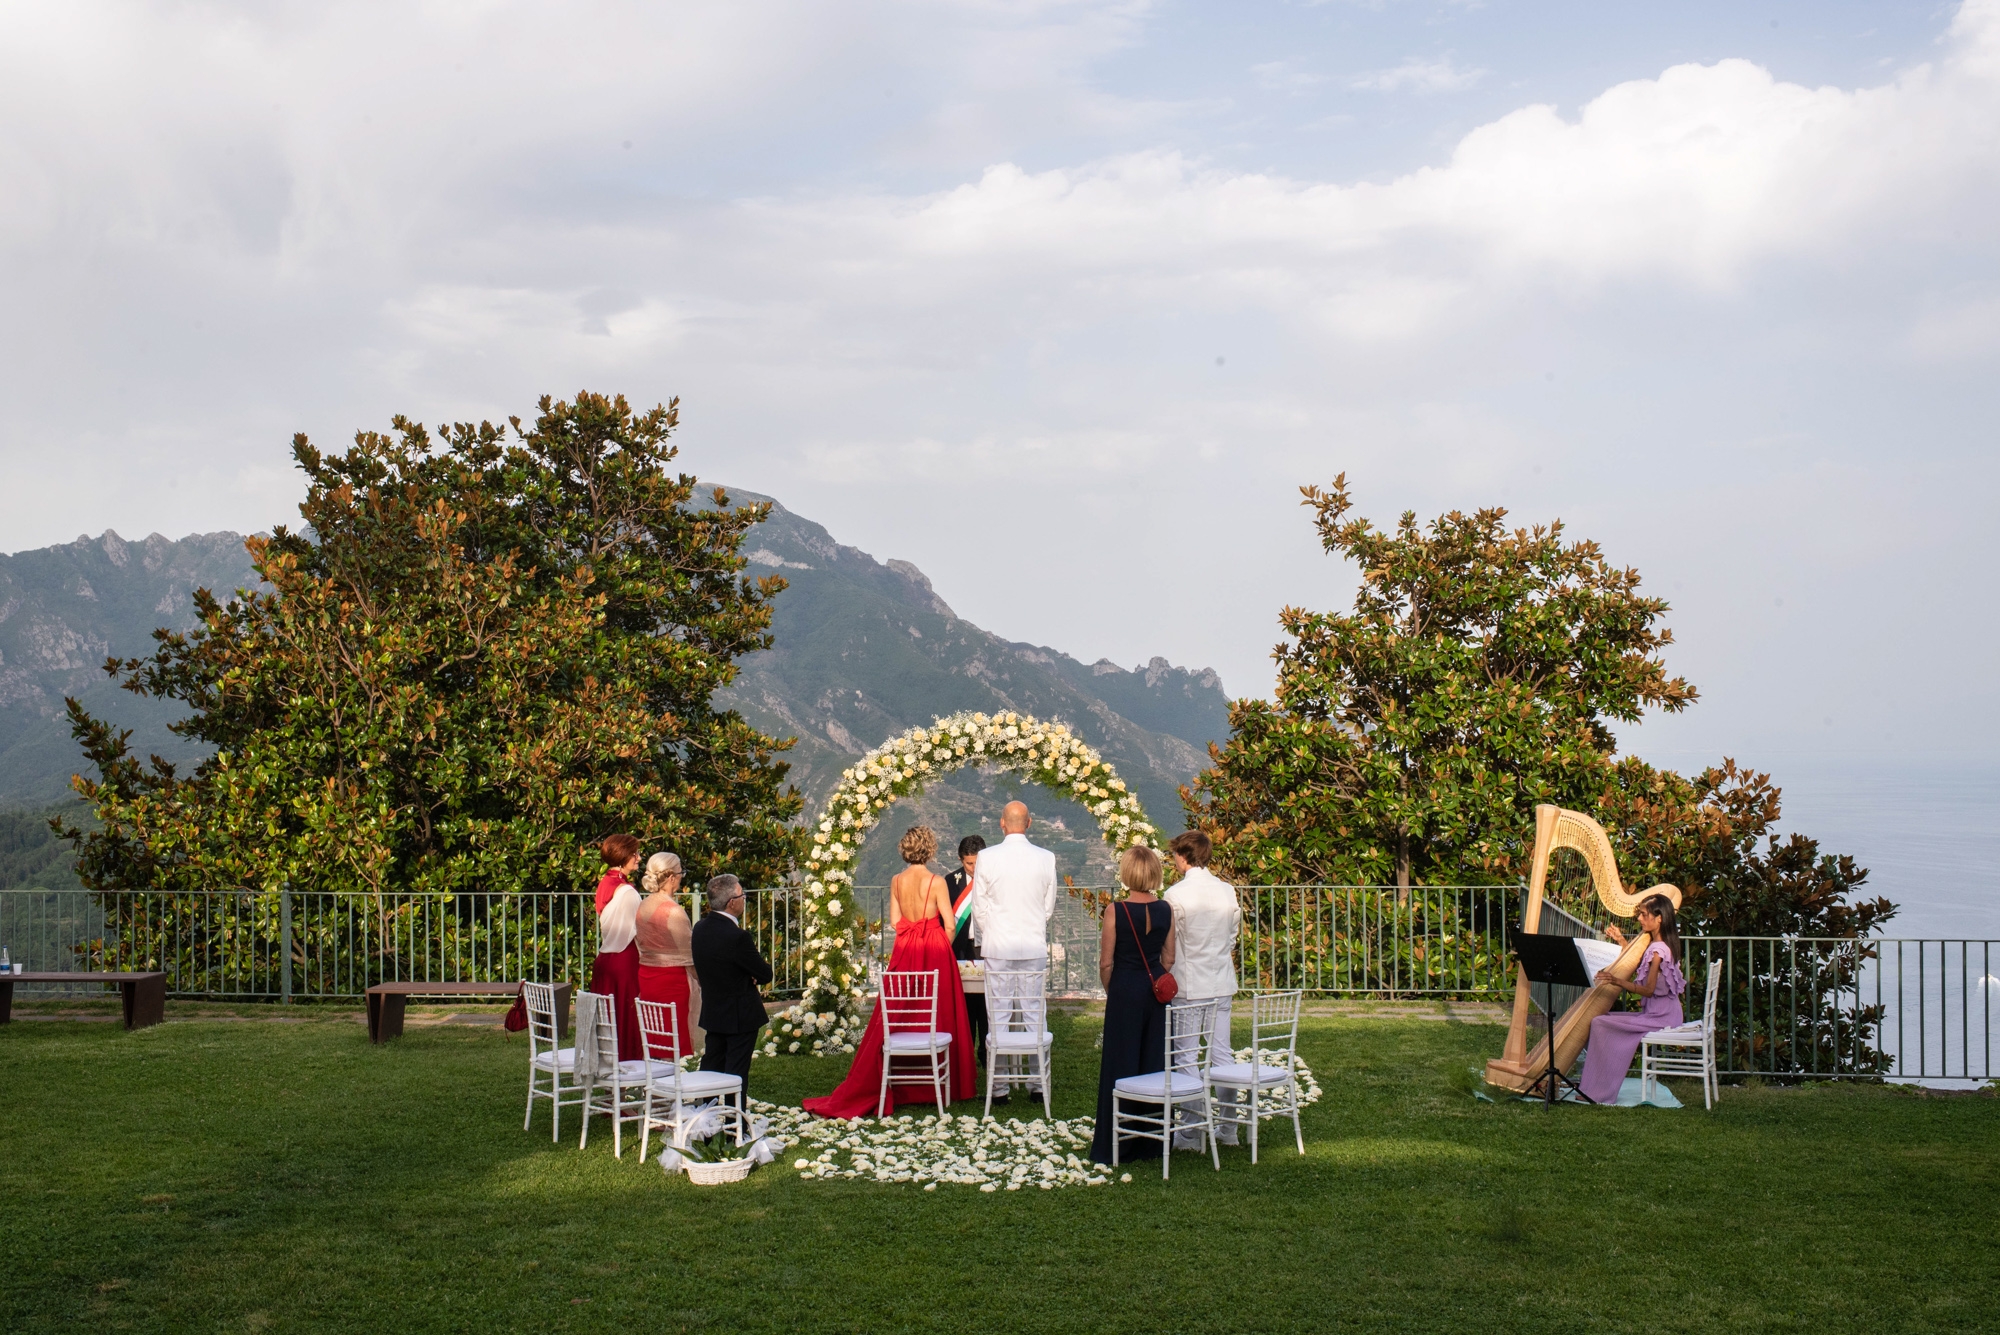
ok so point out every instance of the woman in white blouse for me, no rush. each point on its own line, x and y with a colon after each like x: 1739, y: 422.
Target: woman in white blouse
x: 1207, y: 919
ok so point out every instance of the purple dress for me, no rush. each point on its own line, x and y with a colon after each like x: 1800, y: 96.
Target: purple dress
x: 1614, y: 1038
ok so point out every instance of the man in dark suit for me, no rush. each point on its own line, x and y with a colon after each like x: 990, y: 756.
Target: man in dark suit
x: 959, y: 885
x: 730, y: 969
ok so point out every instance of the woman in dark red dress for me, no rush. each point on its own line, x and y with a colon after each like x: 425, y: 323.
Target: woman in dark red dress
x: 616, y: 973
x: 920, y: 911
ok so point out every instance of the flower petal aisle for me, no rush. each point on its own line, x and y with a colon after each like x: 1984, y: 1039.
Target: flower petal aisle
x: 1002, y: 1154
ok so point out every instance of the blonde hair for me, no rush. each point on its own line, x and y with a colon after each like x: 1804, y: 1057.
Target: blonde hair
x: 1139, y: 869
x: 659, y: 867
x: 919, y: 844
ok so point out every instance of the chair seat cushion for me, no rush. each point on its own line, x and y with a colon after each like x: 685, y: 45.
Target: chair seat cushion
x: 1680, y: 1034
x: 700, y: 1084
x: 918, y: 1042
x: 1153, y: 1087
x: 563, y: 1059
x: 1019, y: 1042
x: 1243, y: 1074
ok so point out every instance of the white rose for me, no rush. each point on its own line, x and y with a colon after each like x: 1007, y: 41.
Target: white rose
x: 833, y: 906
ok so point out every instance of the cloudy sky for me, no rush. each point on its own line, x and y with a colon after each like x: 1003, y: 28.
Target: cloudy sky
x: 1062, y: 301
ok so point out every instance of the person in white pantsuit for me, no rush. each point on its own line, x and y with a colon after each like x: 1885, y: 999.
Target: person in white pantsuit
x: 1013, y: 898
x: 1207, y: 918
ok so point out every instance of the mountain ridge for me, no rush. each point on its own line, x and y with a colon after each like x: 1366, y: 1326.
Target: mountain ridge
x: 863, y: 648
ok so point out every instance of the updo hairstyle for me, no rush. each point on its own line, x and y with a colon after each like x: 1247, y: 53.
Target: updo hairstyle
x: 919, y: 844
x: 660, y: 868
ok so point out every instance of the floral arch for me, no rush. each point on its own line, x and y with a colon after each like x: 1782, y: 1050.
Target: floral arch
x: 829, y: 1018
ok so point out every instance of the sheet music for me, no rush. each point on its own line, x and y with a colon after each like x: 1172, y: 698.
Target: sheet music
x: 1597, y: 955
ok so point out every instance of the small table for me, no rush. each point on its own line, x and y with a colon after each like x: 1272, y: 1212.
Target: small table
x: 145, y: 994
x: 387, y: 1000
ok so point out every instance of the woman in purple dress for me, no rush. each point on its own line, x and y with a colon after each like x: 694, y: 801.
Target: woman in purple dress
x: 1614, y: 1038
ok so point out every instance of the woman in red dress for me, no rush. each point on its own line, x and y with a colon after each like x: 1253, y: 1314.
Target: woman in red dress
x: 666, y: 961
x: 616, y: 973
x: 920, y: 911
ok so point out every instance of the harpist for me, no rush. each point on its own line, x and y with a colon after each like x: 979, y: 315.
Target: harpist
x: 1615, y: 1037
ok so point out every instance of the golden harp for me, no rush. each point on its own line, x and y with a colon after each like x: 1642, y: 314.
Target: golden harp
x: 1518, y: 1068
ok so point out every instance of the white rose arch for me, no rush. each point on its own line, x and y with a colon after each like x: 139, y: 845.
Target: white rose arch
x: 829, y: 1018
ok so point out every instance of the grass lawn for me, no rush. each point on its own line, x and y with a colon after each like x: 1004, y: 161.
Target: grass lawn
x: 224, y: 1175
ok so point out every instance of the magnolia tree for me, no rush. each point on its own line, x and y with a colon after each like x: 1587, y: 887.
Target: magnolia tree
x: 830, y: 1017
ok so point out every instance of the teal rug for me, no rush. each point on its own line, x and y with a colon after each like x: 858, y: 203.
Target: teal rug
x: 1629, y: 1092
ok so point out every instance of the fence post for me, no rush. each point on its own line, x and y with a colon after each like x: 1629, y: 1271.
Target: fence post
x: 285, y: 942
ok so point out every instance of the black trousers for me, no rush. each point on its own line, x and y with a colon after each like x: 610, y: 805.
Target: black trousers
x: 730, y: 1054
x: 975, y: 1014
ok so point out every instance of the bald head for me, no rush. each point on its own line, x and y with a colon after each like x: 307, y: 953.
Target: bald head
x: 1014, y: 818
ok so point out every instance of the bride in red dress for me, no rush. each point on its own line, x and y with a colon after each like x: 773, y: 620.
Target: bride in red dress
x: 920, y: 911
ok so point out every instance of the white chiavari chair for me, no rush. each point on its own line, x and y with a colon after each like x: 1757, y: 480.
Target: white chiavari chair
x: 1178, y: 1095
x: 907, y: 1007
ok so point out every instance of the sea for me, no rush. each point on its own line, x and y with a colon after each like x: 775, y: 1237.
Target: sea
x: 1929, y: 838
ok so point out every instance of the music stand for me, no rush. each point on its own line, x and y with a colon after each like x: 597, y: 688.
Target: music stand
x: 1551, y: 960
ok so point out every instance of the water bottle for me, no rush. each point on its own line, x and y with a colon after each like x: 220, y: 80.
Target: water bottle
x: 6, y: 965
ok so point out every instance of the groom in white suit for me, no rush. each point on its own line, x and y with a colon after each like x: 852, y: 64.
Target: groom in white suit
x: 1013, y: 897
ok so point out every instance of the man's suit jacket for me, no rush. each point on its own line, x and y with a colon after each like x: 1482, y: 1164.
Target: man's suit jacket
x: 730, y: 969
x: 1013, y: 897
x: 962, y: 946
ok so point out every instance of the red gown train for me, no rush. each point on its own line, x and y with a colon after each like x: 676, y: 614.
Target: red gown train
x: 920, y: 946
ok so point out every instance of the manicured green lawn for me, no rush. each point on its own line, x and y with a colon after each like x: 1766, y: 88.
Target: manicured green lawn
x: 210, y: 1175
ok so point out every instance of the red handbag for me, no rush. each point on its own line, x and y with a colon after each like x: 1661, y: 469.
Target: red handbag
x: 1165, y: 986
x: 517, y: 1017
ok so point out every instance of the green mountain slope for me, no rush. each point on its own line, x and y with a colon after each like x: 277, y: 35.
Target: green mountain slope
x: 863, y: 650
x: 63, y: 610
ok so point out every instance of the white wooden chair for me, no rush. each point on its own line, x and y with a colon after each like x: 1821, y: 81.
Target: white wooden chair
x: 1017, y: 1033
x: 907, y: 1006
x: 610, y: 1086
x: 669, y: 1089
x: 1182, y: 1084
x: 1266, y: 1088
x: 1686, y: 1049
x: 545, y: 1058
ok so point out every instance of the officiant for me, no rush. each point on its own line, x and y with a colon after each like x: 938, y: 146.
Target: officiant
x: 959, y: 885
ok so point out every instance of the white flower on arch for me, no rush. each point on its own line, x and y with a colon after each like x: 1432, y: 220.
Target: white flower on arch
x: 829, y: 1016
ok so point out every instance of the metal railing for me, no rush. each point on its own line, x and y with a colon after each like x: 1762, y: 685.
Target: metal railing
x: 1896, y: 1008
x: 1353, y: 940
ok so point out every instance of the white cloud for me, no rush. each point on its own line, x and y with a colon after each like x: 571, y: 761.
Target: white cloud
x: 1417, y: 75
x: 1282, y: 76
x: 225, y: 224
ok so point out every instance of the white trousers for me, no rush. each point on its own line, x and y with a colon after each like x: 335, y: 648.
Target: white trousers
x: 1011, y: 1068
x: 1221, y: 1054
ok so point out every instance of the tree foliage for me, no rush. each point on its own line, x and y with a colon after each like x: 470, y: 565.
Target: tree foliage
x: 1715, y: 836
x: 1476, y: 676
x: 479, y: 653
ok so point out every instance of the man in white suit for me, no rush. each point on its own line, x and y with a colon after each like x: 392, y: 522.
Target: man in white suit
x: 1013, y: 897
x: 1207, y: 921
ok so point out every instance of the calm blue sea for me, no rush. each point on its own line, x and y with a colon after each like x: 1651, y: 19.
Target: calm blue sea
x: 1930, y: 839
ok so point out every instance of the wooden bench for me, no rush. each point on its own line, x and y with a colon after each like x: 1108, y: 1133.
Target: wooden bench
x: 145, y: 994
x: 387, y: 1000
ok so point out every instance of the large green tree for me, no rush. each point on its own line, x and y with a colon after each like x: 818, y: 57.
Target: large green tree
x: 1476, y: 676
x: 479, y: 654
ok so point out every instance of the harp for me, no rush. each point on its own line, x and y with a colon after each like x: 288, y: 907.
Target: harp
x: 1518, y: 1068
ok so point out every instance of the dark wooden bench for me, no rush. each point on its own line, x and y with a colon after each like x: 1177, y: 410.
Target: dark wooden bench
x: 386, y: 1002
x: 145, y: 994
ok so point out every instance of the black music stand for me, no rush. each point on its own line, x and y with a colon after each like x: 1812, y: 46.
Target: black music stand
x: 1551, y: 960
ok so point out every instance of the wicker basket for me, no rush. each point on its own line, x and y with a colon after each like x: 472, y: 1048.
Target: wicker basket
x: 725, y: 1170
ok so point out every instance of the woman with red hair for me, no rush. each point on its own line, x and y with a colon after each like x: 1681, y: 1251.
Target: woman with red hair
x: 616, y: 973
